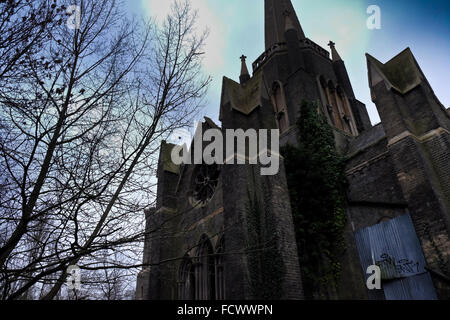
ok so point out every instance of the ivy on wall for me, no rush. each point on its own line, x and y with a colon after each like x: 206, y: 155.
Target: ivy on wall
x: 316, y: 180
x: 266, y: 269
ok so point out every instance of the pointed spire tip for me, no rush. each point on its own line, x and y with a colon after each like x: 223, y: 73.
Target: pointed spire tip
x: 334, y: 54
x: 277, y: 16
x: 245, y: 75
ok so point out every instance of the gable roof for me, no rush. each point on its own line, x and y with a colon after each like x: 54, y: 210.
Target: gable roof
x: 243, y: 98
x: 401, y: 73
x: 166, y: 158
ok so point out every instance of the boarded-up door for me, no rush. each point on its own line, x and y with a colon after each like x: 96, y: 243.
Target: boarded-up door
x: 394, y: 247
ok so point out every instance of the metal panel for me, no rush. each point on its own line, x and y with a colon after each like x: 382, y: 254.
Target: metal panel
x: 393, y: 246
x: 419, y: 287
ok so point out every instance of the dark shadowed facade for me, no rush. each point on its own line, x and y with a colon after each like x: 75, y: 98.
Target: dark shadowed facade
x: 217, y: 232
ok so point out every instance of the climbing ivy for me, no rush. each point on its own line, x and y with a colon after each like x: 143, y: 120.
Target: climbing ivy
x: 316, y: 180
x: 265, y: 264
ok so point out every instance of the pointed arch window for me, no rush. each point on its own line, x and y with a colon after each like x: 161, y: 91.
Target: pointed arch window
x: 203, y: 277
x: 205, y: 271
x: 220, y: 274
x: 347, y: 115
x: 332, y: 102
x: 280, y: 106
x: 186, y: 284
x: 337, y: 106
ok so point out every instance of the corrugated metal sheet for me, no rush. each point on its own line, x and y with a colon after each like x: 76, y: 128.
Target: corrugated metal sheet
x: 393, y: 246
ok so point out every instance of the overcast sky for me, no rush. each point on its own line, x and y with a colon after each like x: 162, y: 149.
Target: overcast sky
x: 237, y: 27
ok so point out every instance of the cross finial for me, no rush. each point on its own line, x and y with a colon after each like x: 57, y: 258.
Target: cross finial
x: 334, y: 54
x: 245, y: 75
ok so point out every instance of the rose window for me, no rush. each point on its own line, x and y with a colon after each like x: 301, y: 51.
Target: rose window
x: 205, y: 183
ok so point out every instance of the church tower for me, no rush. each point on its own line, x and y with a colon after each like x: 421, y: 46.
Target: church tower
x: 294, y: 68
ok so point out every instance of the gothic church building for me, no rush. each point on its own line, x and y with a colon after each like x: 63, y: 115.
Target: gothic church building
x: 207, y: 234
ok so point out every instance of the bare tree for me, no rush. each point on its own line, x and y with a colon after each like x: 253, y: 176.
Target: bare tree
x: 80, y: 129
x: 24, y: 26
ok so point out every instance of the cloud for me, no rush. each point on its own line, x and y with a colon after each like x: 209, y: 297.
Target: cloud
x: 207, y: 18
x: 237, y: 27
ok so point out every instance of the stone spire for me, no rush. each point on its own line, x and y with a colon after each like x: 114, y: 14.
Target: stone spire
x: 276, y: 12
x: 334, y: 54
x: 245, y: 75
x: 341, y: 72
